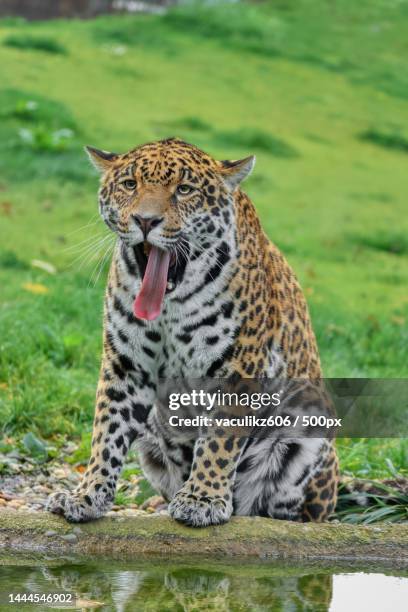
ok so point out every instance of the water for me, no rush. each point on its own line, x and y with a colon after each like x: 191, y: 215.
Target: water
x: 191, y: 586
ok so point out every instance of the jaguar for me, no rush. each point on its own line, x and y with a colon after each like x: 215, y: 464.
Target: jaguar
x: 197, y: 289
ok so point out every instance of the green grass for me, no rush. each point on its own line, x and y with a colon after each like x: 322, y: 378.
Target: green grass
x: 384, y: 504
x: 316, y: 90
x: 388, y: 140
x: 33, y: 43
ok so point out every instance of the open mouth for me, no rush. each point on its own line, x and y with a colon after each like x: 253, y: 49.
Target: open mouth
x: 161, y: 272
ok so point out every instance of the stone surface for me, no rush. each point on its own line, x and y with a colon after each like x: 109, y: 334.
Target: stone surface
x: 159, y: 535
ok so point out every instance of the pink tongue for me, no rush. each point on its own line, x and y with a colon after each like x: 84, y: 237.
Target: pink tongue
x: 148, y: 302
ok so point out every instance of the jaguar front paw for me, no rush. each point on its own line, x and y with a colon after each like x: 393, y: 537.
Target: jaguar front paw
x: 78, y: 508
x: 200, y: 511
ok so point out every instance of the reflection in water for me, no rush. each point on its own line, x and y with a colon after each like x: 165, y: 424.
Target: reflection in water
x: 180, y: 588
x: 125, y: 587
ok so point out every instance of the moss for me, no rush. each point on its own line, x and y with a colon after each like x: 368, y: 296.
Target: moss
x: 241, y: 537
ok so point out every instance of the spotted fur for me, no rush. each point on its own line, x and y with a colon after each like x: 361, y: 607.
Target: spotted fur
x: 233, y: 307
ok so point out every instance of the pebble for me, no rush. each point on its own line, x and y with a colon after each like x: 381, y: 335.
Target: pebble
x: 14, y: 503
x: 26, y: 486
x: 152, y: 502
x: 69, y: 537
x: 50, y: 533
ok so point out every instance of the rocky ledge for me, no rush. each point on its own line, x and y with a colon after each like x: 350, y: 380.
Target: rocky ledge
x: 158, y: 535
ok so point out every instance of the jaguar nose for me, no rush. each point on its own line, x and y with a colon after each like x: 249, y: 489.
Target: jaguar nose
x: 146, y: 224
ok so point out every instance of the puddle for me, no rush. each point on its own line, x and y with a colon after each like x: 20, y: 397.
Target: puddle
x: 129, y: 586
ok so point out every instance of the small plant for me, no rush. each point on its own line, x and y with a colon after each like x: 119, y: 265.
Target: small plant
x: 190, y: 123
x: 81, y: 454
x: 26, y: 109
x: 11, y: 261
x: 27, y: 42
x: 35, y: 447
x: 145, y: 491
x: 253, y: 139
x: 42, y: 139
x: 387, y: 241
x: 386, y: 140
x: 381, y: 503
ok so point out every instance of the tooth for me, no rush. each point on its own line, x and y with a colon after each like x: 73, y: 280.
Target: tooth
x: 170, y: 285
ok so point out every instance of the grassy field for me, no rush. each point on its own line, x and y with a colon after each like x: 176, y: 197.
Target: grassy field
x: 318, y: 90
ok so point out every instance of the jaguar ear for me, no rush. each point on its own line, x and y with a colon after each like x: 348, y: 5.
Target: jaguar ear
x: 102, y: 160
x: 234, y: 172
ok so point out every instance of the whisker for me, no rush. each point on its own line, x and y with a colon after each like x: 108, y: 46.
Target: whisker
x: 91, y: 252
x: 83, y: 242
x: 92, y: 221
x: 99, y: 266
x: 94, y: 246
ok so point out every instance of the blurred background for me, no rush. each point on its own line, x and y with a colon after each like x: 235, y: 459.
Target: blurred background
x: 317, y: 89
x: 50, y: 9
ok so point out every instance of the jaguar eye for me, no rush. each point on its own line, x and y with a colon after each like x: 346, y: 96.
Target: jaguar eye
x: 129, y: 184
x: 184, y: 189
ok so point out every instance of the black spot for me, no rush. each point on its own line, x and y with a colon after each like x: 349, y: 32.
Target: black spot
x: 148, y: 351
x: 243, y: 306
x: 119, y: 441
x: 250, y: 368
x: 105, y: 454
x: 222, y: 463
x: 115, y: 463
x: 131, y: 434
x: 114, y: 395
x: 139, y: 412
x: 88, y: 500
x: 315, y: 510
x: 229, y: 444
x: 185, y: 338
x: 118, y: 306
x: 153, y: 336
x: 118, y: 370
x: 123, y: 337
x: 244, y: 465
x: 222, y: 258
x: 325, y: 494
x: 213, y: 445
x: 125, y: 414
x: 211, y: 320
x: 125, y: 362
x: 113, y: 427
